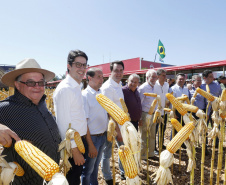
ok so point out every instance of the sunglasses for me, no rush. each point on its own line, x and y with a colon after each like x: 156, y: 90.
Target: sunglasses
x: 79, y: 65
x: 33, y: 83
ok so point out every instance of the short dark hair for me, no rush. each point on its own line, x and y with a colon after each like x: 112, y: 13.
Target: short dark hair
x: 206, y: 73
x: 160, y: 71
x: 180, y: 74
x: 73, y: 54
x: 91, y: 72
x: 116, y: 62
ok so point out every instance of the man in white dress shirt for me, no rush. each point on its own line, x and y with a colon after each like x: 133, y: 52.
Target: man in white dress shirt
x: 161, y: 88
x: 97, y: 121
x: 69, y: 108
x: 146, y: 101
x: 112, y: 88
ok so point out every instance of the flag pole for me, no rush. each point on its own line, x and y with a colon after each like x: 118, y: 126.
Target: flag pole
x: 155, y: 57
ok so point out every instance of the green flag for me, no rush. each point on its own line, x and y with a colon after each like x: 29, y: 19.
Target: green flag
x: 161, y: 50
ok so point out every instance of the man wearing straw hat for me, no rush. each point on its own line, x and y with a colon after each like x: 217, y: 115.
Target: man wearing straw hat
x: 25, y: 116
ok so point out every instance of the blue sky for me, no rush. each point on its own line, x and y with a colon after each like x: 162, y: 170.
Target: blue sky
x: 191, y: 31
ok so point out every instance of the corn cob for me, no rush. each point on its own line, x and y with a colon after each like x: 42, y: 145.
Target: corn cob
x: 167, y: 109
x: 182, y: 98
x: 180, y: 137
x: 176, y: 104
x: 190, y: 108
x: 176, y: 124
x: 19, y: 171
x: 150, y: 94
x: 124, y: 107
x: 205, y: 94
x: 111, y: 130
x: 223, y: 95
x: 115, y: 112
x: 79, y: 143
x: 156, y: 115
x: 39, y: 161
x: 152, y: 108
x: 128, y: 161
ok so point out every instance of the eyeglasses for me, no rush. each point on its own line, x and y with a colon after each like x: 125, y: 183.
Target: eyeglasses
x: 33, y: 83
x: 79, y: 65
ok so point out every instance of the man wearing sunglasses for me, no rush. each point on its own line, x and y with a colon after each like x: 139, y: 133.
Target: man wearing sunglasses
x: 69, y: 108
x: 24, y: 116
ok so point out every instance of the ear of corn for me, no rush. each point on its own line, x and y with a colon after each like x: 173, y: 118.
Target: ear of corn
x: 205, y: 94
x: 223, y: 95
x: 176, y: 104
x: 156, y: 115
x: 115, y: 112
x: 151, y: 94
x: 167, y: 109
x: 128, y: 161
x: 182, y: 98
x: 176, y: 124
x: 111, y: 130
x: 79, y: 143
x: 39, y: 161
x: 152, y: 108
x: 124, y: 107
x: 19, y: 171
x: 180, y: 137
x: 190, y: 108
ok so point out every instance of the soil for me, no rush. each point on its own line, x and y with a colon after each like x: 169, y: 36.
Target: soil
x: 180, y: 176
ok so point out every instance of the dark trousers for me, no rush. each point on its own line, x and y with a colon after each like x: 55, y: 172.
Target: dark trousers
x: 163, y: 131
x: 135, y: 124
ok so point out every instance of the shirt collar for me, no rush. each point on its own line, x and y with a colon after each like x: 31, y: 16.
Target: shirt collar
x: 179, y: 86
x: 90, y: 89
x: 114, y: 83
x: 72, y: 81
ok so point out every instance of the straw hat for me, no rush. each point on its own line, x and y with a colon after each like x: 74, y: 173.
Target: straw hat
x: 25, y: 66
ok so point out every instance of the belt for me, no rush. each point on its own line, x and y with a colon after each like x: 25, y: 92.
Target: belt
x: 99, y: 134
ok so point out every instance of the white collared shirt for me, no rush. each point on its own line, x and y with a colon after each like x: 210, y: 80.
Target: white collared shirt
x: 146, y: 101
x: 113, y: 91
x: 95, y: 113
x: 162, y: 91
x: 69, y: 108
x: 178, y: 91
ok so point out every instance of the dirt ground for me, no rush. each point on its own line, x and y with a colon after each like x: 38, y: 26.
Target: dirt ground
x: 180, y: 177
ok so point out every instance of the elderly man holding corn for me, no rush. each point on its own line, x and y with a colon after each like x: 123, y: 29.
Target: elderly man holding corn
x: 25, y: 116
x: 146, y: 102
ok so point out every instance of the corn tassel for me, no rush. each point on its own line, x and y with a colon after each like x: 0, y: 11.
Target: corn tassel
x: 115, y: 112
x: 205, y: 94
x: 79, y: 143
x: 176, y: 104
x: 190, y: 108
x: 150, y: 94
x: 128, y: 162
x: 152, y: 108
x: 39, y: 161
x: 180, y: 137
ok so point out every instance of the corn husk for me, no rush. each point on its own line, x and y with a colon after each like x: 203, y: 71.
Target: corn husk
x: 58, y: 179
x: 134, y: 181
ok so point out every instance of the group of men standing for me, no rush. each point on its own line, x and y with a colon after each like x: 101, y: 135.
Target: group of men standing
x: 25, y: 116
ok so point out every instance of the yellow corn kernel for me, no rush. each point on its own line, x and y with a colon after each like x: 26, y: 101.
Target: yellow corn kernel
x: 79, y: 143
x: 223, y: 95
x: 176, y: 124
x: 176, y: 104
x: 207, y: 88
x: 150, y: 94
x: 128, y: 162
x: 39, y: 161
x: 152, y: 108
x: 115, y: 112
x: 180, y: 137
x: 19, y: 171
x: 205, y: 94
x: 156, y: 115
x: 124, y: 107
x: 111, y: 130
x: 190, y: 108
